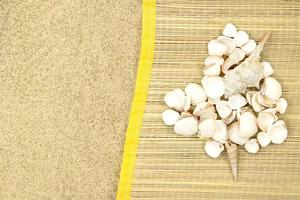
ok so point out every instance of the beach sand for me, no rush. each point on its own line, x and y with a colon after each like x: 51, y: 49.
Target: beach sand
x: 67, y: 78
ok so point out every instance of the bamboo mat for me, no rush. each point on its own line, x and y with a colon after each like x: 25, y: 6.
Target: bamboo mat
x: 168, y: 166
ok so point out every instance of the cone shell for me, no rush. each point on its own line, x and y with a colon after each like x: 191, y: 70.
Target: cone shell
x: 232, y: 155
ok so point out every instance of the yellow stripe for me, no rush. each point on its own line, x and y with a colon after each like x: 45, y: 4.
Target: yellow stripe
x: 139, y: 100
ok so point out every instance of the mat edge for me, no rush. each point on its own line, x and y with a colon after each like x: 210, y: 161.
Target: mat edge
x: 139, y: 99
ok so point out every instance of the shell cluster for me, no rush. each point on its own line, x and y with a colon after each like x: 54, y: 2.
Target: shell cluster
x: 238, y: 102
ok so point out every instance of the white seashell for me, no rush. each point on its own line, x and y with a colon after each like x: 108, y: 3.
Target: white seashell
x: 213, y: 148
x: 264, y: 139
x: 249, y: 47
x: 187, y: 103
x: 208, y: 115
x: 216, y: 48
x: 247, y: 125
x: 267, y: 69
x: 213, y: 86
x: 266, y: 101
x: 249, y: 95
x: 172, y: 99
x: 185, y: 114
x: 207, y: 127
x: 252, y: 146
x: 220, y: 134
x: 271, y: 88
x: 210, y: 60
x: 278, y: 132
x: 203, y: 107
x: 271, y: 110
x: 229, y: 42
x: 212, y: 70
x: 237, y: 101
x: 213, y: 101
x: 180, y: 93
x: 265, y: 120
x: 230, y: 30
x: 281, y: 106
x: 230, y: 118
x: 170, y: 117
x: 233, y: 134
x: 196, y: 93
x: 234, y: 58
x: 257, y: 107
x: 241, y: 38
x: 186, y: 126
x: 223, y: 109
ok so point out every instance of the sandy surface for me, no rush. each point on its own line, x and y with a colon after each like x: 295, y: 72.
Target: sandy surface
x: 67, y: 73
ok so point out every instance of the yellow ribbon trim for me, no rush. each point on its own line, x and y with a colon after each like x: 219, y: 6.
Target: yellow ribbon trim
x: 139, y: 100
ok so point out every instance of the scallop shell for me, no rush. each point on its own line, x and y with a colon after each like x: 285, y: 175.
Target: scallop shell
x: 271, y: 88
x: 252, y: 146
x: 230, y: 30
x: 278, y: 132
x: 247, y: 125
x: 186, y: 126
x: 213, y: 86
x: 264, y: 139
x: 207, y: 127
x: 213, y: 148
x: 237, y: 101
x: 220, y: 134
x: 234, y: 136
x: 281, y: 106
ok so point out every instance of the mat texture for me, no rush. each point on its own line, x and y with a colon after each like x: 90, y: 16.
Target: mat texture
x: 67, y: 73
x: 168, y: 166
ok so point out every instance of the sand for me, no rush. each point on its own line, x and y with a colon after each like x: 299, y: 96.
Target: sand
x: 67, y: 74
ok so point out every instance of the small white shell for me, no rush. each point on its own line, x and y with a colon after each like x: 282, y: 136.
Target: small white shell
x: 230, y: 30
x: 278, y: 132
x: 213, y: 148
x: 186, y: 126
x: 249, y: 47
x: 207, y: 127
x: 263, y: 139
x: 223, y: 109
x: 271, y: 88
x: 281, y: 106
x: 256, y: 105
x: 247, y: 125
x: 202, y: 108
x: 252, y: 146
x: 230, y: 118
x: 233, y: 133
x: 213, y: 101
x: 237, y: 101
x: 249, y: 95
x: 220, y: 134
x: 187, y: 103
x: 216, y: 48
x: 210, y: 60
x: 229, y: 42
x: 241, y: 38
x: 267, y: 69
x: 213, y: 86
x: 265, y: 120
x: 196, y: 93
x: 212, y: 70
x: 234, y: 58
x: 172, y: 99
x: 170, y: 117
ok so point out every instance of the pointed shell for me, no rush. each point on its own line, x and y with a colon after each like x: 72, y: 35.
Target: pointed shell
x: 264, y: 139
x: 186, y: 126
x: 281, y: 106
x: 212, y: 70
x: 216, y: 48
x: 232, y: 155
x: 213, y: 86
x: 207, y: 127
x: 278, y: 132
x: 213, y: 148
x: 229, y: 42
x: 271, y: 88
x: 223, y: 109
x: 247, y: 125
x: 241, y: 38
x: 267, y: 69
x: 237, y: 101
x: 233, y: 134
x: 249, y: 47
x: 265, y: 120
x: 230, y: 30
x: 252, y: 146
x: 196, y: 93
x: 170, y: 117
x: 220, y: 134
x: 210, y: 60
